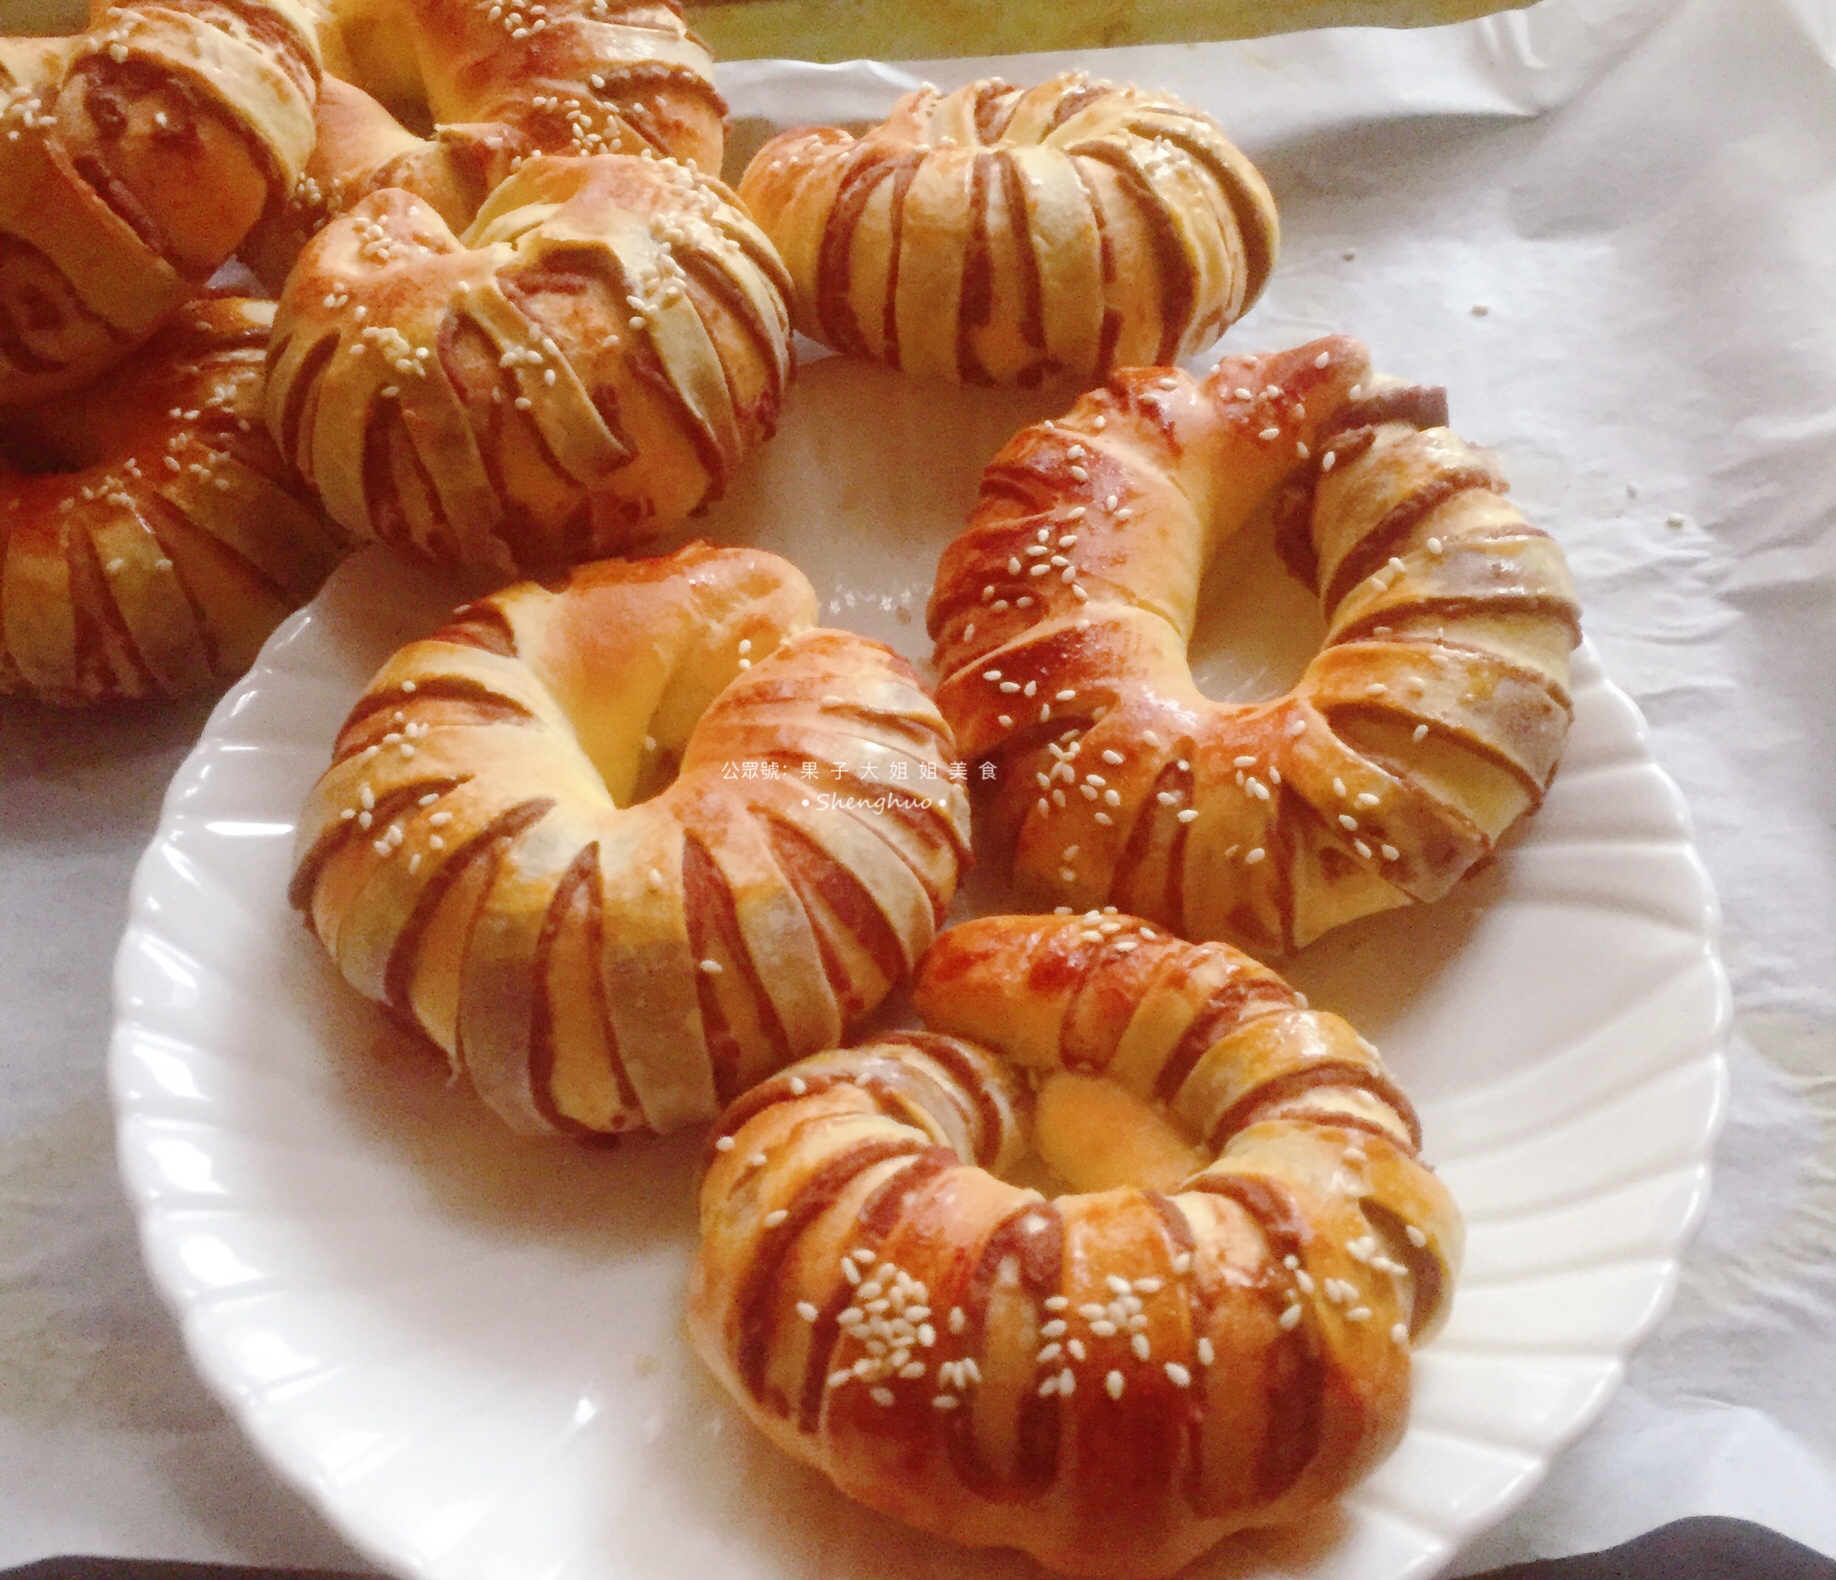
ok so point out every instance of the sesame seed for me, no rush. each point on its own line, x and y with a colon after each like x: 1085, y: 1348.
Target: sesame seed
x: 775, y: 1217
x: 1269, y: 433
x: 724, y: 1144
x: 1399, y: 1335
x: 1290, y: 1318
x: 881, y: 1396
x: 944, y: 1401
x: 1419, y: 733
x: 1187, y: 815
x: 1056, y: 1302
x: 1139, y: 1344
x: 711, y: 967
x: 1206, y: 1354
x: 1254, y: 856
x: 1415, y: 1236
x: 957, y: 1321
x: 1322, y: 360
x: 1178, y: 1375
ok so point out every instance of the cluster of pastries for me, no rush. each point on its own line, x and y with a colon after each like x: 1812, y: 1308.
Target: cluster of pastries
x: 541, y: 332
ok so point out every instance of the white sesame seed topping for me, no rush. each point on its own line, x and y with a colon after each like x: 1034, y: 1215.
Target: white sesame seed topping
x: 1322, y: 360
x: 1139, y: 1344
x: 1415, y: 1236
x: 1254, y: 856
x: 1178, y: 1375
x: 711, y: 967
x: 1419, y: 733
x: 1289, y: 1318
x: 775, y: 1217
x: 1187, y: 815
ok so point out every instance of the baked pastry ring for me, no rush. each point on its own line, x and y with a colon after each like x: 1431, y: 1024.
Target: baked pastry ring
x: 136, y: 157
x: 150, y: 538
x: 498, y: 852
x: 581, y: 369
x: 500, y: 83
x: 1213, y: 1333
x: 1001, y: 235
x: 1430, y: 721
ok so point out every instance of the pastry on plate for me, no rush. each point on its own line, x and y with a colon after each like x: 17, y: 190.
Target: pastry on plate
x: 1209, y: 1329
x: 1430, y: 721
x: 624, y: 844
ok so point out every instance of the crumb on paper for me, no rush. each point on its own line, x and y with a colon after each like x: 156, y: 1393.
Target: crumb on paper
x: 1480, y: 309
x: 645, y: 1364
x: 1675, y: 519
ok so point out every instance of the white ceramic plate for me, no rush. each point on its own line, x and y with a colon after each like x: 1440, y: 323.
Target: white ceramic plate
x: 468, y: 1348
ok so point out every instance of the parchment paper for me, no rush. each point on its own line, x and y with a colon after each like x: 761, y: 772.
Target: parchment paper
x: 1606, y: 226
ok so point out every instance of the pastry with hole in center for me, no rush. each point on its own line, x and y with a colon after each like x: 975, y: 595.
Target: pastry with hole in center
x: 624, y: 844
x: 1208, y: 1329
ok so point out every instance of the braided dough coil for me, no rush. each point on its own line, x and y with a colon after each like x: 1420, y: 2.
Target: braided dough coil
x: 501, y: 81
x: 135, y: 157
x: 157, y: 563
x: 1214, y: 1333
x: 1430, y: 721
x: 582, y: 368
x: 571, y: 836
x: 1006, y: 235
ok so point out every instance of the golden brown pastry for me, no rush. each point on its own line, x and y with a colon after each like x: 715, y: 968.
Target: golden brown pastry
x: 136, y: 156
x: 624, y: 846
x: 1004, y: 235
x: 581, y: 369
x: 1212, y: 1331
x: 150, y: 538
x: 1430, y: 721
x: 500, y: 83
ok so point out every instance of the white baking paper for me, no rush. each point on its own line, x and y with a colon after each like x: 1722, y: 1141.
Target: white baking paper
x: 1607, y: 226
